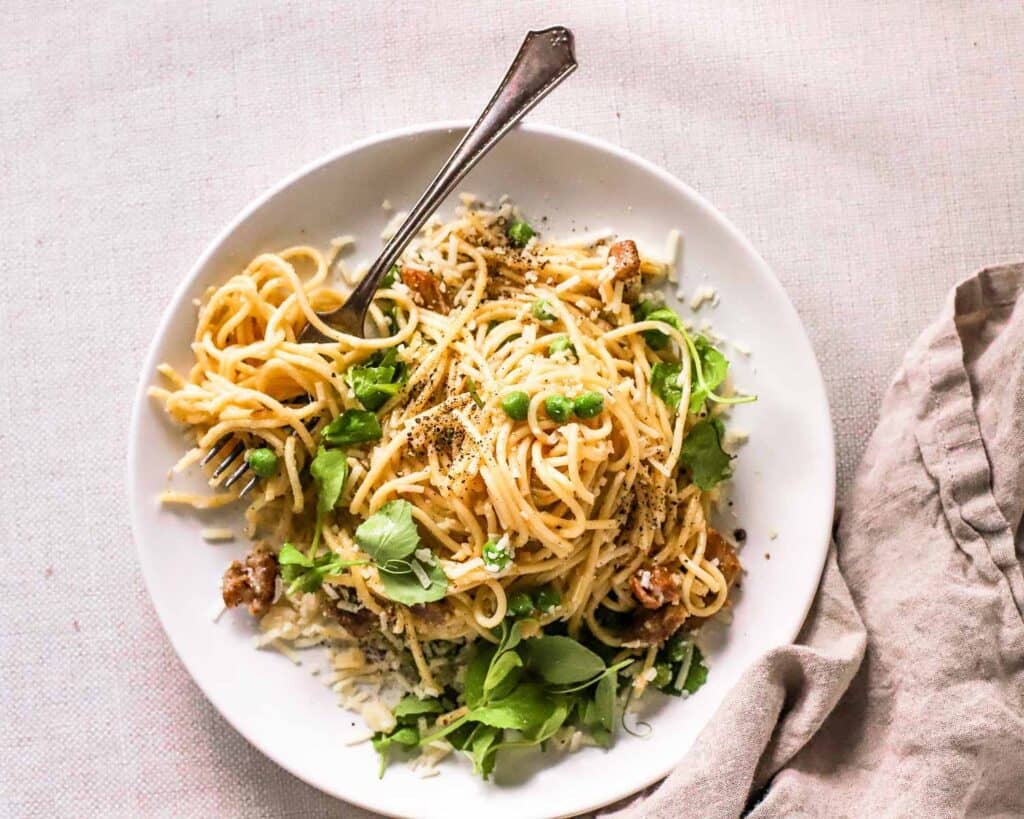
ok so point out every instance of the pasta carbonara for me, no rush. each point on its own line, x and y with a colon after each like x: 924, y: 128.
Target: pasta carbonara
x: 522, y: 456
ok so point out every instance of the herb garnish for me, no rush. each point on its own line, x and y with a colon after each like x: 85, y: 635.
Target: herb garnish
x: 352, y: 427
x: 406, y: 732
x: 330, y: 471
x: 710, y: 362
x: 306, y: 574
x: 533, y: 687
x: 390, y: 538
x: 703, y: 455
x: 665, y: 382
x: 380, y: 378
x: 713, y: 366
x: 680, y: 667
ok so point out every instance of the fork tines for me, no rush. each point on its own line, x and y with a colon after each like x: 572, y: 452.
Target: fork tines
x: 238, y: 450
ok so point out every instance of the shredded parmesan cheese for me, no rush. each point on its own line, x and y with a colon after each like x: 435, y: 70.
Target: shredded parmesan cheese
x: 216, y: 535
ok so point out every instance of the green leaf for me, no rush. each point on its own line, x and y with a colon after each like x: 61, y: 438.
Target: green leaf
x: 562, y: 660
x: 502, y: 676
x: 649, y: 311
x: 483, y: 749
x: 511, y: 636
x: 610, y: 671
x: 377, y: 380
x: 407, y: 737
x: 714, y: 367
x: 352, y: 427
x: 290, y: 556
x: 666, y: 315
x: 703, y: 455
x: 307, y: 574
x: 411, y: 707
x: 604, y: 703
x: 698, y: 673
x: 390, y: 533
x: 525, y: 709
x: 551, y: 725
x: 665, y: 383
x: 476, y: 673
x: 461, y: 737
x: 405, y: 587
x: 330, y: 471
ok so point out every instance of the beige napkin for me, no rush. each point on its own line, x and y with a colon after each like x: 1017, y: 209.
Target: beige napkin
x: 904, y: 695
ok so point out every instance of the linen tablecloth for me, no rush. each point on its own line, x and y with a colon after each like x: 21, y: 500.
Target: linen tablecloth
x: 873, y: 152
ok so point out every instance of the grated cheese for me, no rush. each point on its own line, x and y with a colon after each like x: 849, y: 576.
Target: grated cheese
x: 217, y: 535
x: 421, y: 575
x: 672, y: 255
x: 702, y: 296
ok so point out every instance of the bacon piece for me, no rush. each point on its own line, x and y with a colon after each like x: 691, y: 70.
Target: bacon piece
x: 425, y: 288
x: 625, y: 260
x: 654, y: 627
x: 656, y: 586
x: 658, y: 591
x: 251, y: 581
x: 720, y: 549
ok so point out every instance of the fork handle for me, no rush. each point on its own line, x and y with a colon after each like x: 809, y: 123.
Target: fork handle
x: 544, y: 60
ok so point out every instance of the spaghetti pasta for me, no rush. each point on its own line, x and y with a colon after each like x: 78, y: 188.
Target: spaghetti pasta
x: 577, y: 491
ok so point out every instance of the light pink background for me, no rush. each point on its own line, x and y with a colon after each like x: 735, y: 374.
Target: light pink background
x: 873, y: 152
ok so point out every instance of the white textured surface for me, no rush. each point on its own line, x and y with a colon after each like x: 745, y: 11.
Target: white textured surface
x: 873, y: 152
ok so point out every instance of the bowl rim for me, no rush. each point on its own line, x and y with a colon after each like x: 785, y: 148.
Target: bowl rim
x: 140, y: 399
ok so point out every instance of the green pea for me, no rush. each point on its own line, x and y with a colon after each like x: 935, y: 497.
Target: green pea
x: 560, y: 345
x: 493, y: 556
x: 559, y: 408
x: 662, y: 675
x: 541, y: 311
x: 644, y: 309
x: 588, y: 405
x: 675, y: 648
x: 547, y: 597
x: 516, y: 405
x: 520, y: 605
x: 263, y: 462
x: 519, y: 233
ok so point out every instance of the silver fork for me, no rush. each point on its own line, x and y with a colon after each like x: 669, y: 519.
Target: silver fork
x: 243, y: 467
x: 544, y: 60
x: 230, y: 458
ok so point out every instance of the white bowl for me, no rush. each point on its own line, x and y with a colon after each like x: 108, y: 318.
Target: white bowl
x: 782, y: 493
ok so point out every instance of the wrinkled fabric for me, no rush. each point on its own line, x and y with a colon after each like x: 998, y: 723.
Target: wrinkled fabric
x: 904, y: 694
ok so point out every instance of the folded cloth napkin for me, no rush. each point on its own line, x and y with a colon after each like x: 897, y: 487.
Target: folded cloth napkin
x: 904, y: 694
